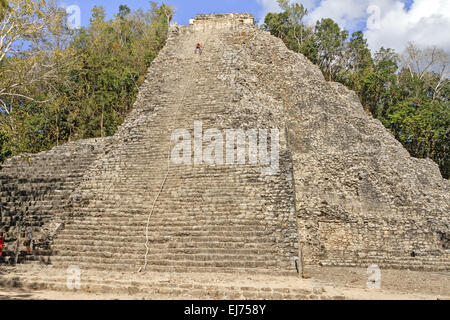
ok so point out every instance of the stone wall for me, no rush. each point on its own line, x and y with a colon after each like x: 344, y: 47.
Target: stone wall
x: 38, y: 189
x: 227, y: 19
x: 360, y: 197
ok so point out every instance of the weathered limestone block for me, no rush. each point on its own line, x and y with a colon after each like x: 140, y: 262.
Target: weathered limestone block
x: 36, y: 189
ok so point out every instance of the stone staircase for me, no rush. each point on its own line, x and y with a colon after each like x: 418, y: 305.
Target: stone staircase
x: 37, y: 189
x: 207, y: 218
x: 182, y: 245
x: 398, y: 262
x: 169, y: 285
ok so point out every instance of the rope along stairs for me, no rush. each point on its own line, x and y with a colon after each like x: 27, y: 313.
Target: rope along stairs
x: 187, y: 84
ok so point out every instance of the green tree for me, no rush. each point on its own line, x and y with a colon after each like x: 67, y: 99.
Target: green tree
x: 116, y: 55
x: 330, y: 41
x: 28, y: 73
x: 73, y: 83
x: 123, y: 11
x: 289, y: 25
x: 295, y: 15
x: 277, y: 24
x: 359, y: 53
x: 375, y: 85
x: 418, y: 120
x: 3, y: 8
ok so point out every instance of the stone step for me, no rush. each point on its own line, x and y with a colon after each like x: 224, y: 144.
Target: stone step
x: 171, y: 289
x: 398, y: 263
x: 206, y: 245
x: 399, y: 258
x: 155, y: 233
x: 391, y: 265
x: 164, y: 227
x: 138, y: 249
x: 409, y: 259
x: 163, y: 265
x: 127, y: 256
x: 167, y: 220
x: 127, y: 264
x: 113, y: 227
x: 166, y: 238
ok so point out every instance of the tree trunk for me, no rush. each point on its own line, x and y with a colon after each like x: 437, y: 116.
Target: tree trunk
x: 57, y: 130
x: 301, y: 36
x: 101, y: 123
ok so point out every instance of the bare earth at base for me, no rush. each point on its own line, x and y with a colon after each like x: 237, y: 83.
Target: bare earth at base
x: 321, y: 283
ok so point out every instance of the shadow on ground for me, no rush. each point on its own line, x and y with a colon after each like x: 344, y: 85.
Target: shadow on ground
x: 15, y: 295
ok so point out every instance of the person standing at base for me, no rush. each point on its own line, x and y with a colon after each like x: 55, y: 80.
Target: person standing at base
x: 29, y: 238
x: 2, y: 242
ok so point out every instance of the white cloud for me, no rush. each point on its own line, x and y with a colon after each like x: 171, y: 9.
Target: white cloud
x: 272, y: 5
x: 267, y: 6
x: 426, y: 23
x: 347, y: 13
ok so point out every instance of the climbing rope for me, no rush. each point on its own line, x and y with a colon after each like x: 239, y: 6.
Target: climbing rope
x: 163, y: 182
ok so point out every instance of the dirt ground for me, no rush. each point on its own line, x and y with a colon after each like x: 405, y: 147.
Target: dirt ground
x: 347, y: 282
x: 14, y: 294
x: 398, y: 281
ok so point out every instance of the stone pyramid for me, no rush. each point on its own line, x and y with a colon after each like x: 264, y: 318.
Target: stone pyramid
x: 344, y: 191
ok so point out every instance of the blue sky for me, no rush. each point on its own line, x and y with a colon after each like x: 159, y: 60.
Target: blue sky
x: 424, y: 22
x: 185, y: 9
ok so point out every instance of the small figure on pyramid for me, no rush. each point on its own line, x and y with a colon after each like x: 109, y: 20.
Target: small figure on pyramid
x: 2, y: 241
x: 29, y: 238
x: 198, y: 49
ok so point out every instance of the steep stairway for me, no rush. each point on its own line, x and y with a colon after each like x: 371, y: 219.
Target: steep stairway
x: 206, y: 218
